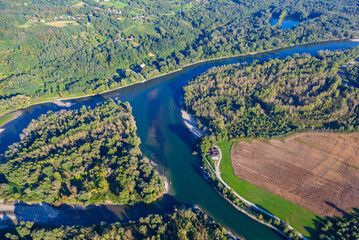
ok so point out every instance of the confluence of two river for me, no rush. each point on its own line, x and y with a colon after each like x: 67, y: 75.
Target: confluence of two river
x: 165, y: 139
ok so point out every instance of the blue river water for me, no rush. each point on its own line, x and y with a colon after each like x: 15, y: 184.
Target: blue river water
x: 165, y: 140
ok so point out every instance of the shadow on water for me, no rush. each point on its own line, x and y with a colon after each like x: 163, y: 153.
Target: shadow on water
x: 66, y: 214
x: 6, y: 220
x: 183, y: 133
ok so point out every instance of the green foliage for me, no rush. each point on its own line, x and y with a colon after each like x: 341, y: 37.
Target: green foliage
x: 80, y: 156
x: 183, y: 224
x: 352, y: 74
x: 345, y: 228
x: 40, y: 62
x: 275, y: 97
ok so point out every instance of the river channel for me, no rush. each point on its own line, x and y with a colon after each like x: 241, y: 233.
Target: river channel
x: 165, y: 140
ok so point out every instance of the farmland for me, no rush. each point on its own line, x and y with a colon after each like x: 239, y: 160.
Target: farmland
x: 318, y: 171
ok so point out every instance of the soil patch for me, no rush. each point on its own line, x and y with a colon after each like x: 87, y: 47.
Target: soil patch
x: 319, y: 171
x: 61, y: 23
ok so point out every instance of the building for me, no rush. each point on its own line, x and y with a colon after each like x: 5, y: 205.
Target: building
x: 214, y: 152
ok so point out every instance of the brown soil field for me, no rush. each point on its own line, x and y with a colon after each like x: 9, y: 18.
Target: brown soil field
x: 61, y: 23
x: 319, y: 171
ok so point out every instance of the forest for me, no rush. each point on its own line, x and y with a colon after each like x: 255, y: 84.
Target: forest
x: 352, y: 74
x: 53, y: 49
x: 182, y: 224
x: 80, y: 156
x: 275, y: 97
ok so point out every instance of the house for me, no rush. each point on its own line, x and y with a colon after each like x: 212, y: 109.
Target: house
x: 214, y: 152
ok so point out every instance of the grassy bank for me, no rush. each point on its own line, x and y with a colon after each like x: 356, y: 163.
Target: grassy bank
x: 297, y: 216
x: 7, y: 118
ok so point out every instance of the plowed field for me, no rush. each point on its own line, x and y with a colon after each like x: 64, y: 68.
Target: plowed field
x: 319, y: 171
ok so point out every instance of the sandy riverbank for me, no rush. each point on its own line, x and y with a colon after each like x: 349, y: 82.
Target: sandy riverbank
x: 191, y: 124
x: 62, y: 104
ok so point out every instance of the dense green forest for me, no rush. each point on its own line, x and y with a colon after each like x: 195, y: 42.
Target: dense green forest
x: 51, y: 49
x: 183, y: 224
x: 80, y: 156
x: 352, y: 74
x: 275, y: 97
x: 344, y: 228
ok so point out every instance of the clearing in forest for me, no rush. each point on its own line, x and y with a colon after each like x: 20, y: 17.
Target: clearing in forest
x: 61, y: 23
x: 319, y: 171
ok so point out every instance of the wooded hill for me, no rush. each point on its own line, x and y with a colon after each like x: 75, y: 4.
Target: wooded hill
x: 52, y: 49
x: 275, y: 97
x: 80, y: 156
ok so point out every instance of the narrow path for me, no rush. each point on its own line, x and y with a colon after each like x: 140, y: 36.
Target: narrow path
x: 248, y: 203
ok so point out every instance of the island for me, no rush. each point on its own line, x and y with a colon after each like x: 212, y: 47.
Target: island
x: 80, y: 156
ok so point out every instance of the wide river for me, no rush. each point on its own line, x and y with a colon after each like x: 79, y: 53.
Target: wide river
x: 165, y: 140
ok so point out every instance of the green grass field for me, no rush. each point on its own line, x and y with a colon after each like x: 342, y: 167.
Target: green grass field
x: 298, y: 217
x: 7, y: 118
x: 116, y: 4
x: 143, y: 28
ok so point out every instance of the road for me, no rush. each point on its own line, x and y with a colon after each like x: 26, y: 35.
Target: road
x: 248, y: 203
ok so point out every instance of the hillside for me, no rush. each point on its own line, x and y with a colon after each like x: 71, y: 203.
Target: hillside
x: 52, y: 49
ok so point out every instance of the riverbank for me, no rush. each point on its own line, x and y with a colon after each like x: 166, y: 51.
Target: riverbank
x: 248, y: 212
x: 8, y: 118
x: 62, y: 104
x: 53, y: 99
x: 191, y: 124
x: 165, y: 139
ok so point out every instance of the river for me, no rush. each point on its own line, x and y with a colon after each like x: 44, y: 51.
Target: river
x: 167, y: 141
